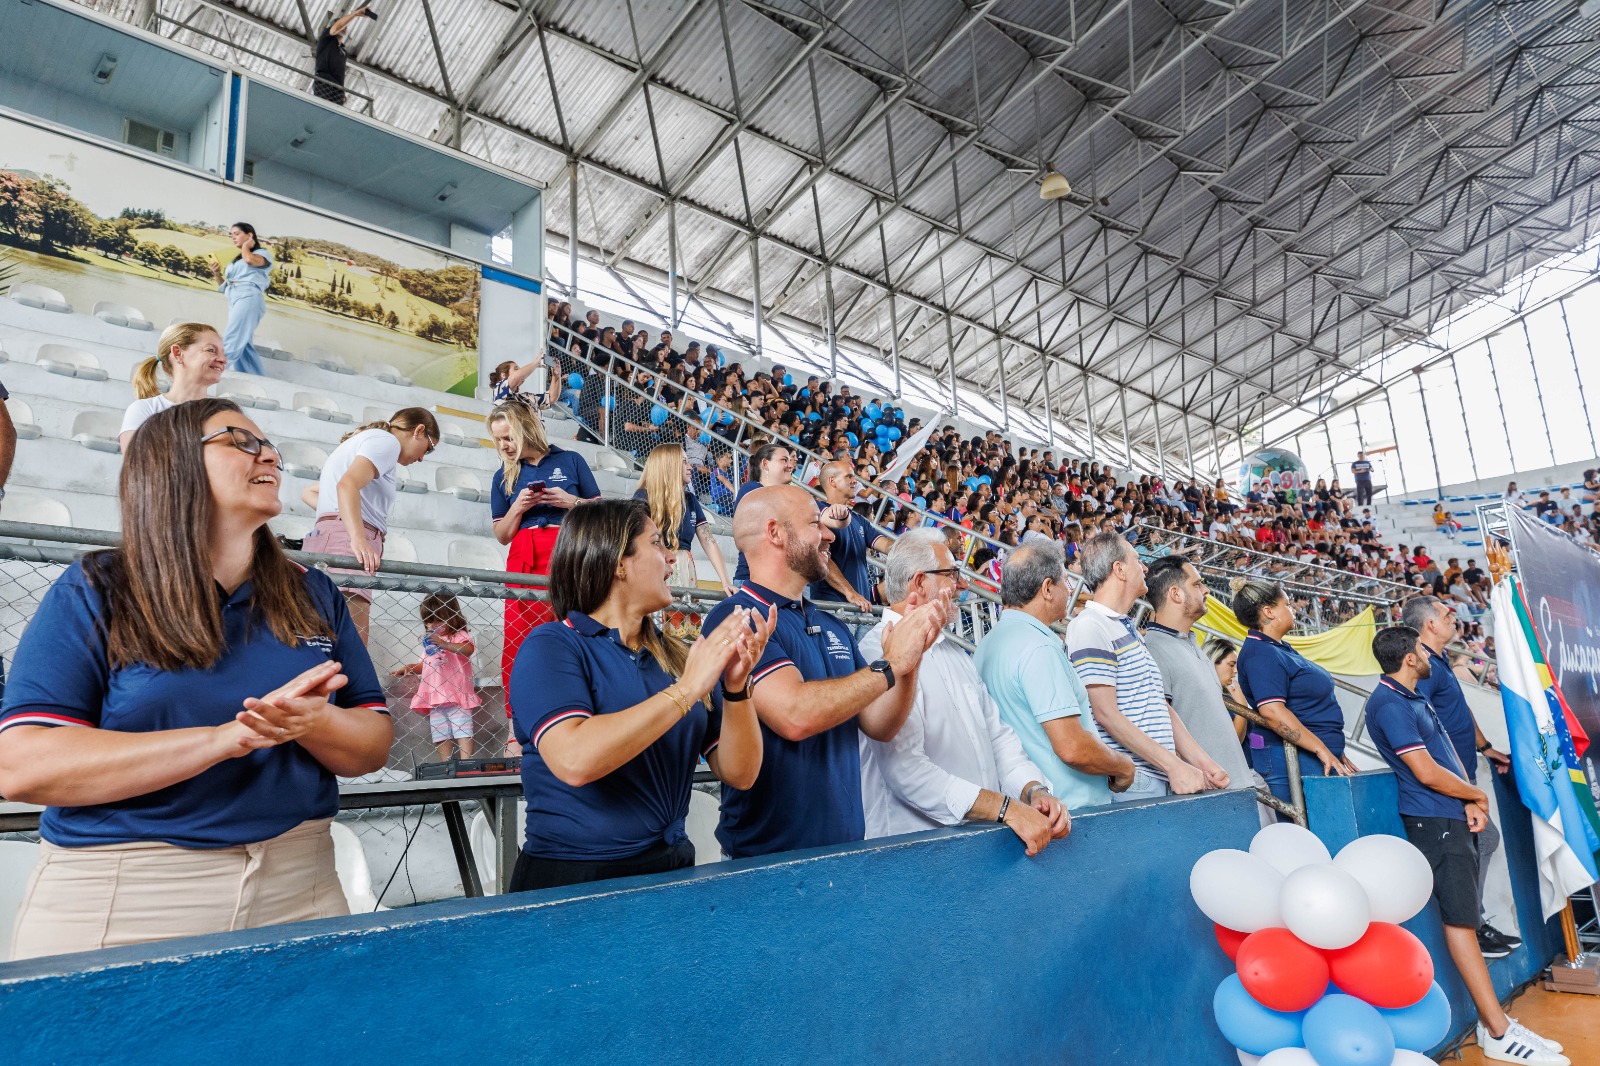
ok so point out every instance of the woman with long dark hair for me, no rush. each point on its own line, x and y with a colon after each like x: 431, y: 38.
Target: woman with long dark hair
x: 181, y: 705
x: 245, y: 283
x: 613, y: 715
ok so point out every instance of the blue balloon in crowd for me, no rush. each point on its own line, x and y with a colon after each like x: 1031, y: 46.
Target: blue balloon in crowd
x: 1343, y: 1031
x: 851, y: 437
x: 727, y: 418
x: 1422, y: 1025
x: 867, y: 425
x: 985, y: 480
x: 873, y: 411
x: 658, y: 415
x: 705, y: 438
x: 919, y: 501
x: 788, y: 379
x: 812, y: 416
x: 894, y: 433
x: 804, y: 393
x: 709, y: 415
x: 574, y: 381
x: 608, y: 402
x: 1249, y: 1026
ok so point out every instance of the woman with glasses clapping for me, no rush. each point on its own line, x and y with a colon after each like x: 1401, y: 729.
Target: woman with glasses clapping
x: 181, y: 705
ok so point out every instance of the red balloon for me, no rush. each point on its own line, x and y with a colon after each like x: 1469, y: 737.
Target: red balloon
x: 1281, y: 971
x: 1229, y: 940
x: 1387, y: 967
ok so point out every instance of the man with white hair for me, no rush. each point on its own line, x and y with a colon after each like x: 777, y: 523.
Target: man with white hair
x: 953, y: 760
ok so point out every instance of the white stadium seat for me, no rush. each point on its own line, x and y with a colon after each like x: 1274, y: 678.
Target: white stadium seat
x: 42, y: 297
x: 460, y: 483
x: 22, y: 418
x: 292, y: 526
x: 17, y: 860
x: 328, y: 360
x: 246, y: 393
x: 302, y: 460
x: 23, y: 506
x: 271, y: 349
x: 476, y: 554
x: 399, y: 548
x: 98, y: 430
x: 70, y: 362
x: 387, y: 374
x: 450, y: 433
x: 613, y: 462
x: 122, y: 315
x: 320, y: 406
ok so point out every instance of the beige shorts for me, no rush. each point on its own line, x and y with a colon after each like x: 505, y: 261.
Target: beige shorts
x: 329, y: 537
x: 84, y: 899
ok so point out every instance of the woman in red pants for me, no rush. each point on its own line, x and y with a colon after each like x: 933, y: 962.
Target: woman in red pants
x: 533, y: 490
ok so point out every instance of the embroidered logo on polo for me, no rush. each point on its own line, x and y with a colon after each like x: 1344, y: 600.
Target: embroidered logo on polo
x: 556, y: 475
x: 322, y: 644
x: 836, y: 647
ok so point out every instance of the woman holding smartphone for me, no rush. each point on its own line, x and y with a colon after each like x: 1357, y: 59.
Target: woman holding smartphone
x: 529, y: 496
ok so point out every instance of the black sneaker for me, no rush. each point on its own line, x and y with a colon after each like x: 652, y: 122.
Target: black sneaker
x: 1494, y: 944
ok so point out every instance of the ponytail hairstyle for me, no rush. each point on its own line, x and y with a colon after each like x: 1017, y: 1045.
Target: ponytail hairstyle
x: 501, y: 372
x: 1251, y: 597
x: 403, y: 421
x: 177, y: 335
x: 596, y: 535
x: 1218, y: 648
x: 527, y: 431
x: 161, y: 601
x: 255, y: 242
x: 662, y: 482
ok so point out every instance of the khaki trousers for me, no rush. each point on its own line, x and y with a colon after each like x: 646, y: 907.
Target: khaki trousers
x: 83, y: 899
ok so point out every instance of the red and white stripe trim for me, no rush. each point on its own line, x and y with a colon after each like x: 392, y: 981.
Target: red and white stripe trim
x: 1414, y: 747
x: 770, y: 668
x: 45, y: 718
x: 748, y: 591
x: 557, y: 719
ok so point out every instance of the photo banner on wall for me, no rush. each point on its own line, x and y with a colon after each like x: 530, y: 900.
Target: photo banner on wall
x: 1562, y: 581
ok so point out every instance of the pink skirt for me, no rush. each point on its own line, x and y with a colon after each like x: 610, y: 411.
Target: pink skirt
x: 329, y: 537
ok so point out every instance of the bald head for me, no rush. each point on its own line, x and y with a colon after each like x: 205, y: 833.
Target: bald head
x: 839, y: 480
x: 777, y: 530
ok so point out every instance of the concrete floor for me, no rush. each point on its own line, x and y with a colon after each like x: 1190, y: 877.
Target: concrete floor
x: 1572, y: 1019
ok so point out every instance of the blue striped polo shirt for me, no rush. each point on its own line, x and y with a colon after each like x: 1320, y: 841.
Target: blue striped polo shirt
x: 1106, y: 649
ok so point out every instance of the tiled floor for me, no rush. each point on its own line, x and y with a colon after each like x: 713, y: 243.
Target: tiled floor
x: 1574, y: 1020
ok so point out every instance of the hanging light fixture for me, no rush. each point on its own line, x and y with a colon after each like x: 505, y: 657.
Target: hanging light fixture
x: 1054, y: 186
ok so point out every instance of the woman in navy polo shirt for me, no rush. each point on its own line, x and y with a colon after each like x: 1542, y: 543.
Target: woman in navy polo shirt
x: 613, y: 716
x: 180, y: 706
x: 666, y: 487
x: 529, y: 495
x: 1290, y: 691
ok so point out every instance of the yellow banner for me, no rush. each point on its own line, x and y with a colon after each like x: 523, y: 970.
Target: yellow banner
x: 1344, y: 649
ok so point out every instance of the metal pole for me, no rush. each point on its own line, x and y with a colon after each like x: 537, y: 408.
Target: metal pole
x: 1161, y: 459
x: 1088, y: 413
x: 1472, y: 459
x: 830, y: 324
x: 1494, y: 379
x: 1538, y: 389
x: 755, y: 294
x: 1583, y: 400
x: 1127, y: 442
x: 572, y: 229
x: 672, y: 264
x: 1188, y: 445
x: 950, y: 348
x: 1049, y: 410
x: 1399, y: 466
x: 1005, y: 401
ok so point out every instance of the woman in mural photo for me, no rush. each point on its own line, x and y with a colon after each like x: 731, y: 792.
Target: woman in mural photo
x: 245, y: 283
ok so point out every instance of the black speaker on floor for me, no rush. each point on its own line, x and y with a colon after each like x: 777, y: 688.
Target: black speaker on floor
x: 436, y: 771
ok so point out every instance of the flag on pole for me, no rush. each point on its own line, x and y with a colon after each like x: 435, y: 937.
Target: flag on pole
x: 1562, y: 837
x: 1574, y: 741
x: 908, y: 451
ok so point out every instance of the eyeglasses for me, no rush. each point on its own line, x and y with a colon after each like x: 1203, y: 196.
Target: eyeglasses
x: 432, y: 444
x: 242, y: 439
x: 946, y: 571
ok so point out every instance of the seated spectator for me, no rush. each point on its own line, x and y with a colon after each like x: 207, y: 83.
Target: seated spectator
x: 1547, y: 509
x: 954, y: 760
x: 813, y: 691
x: 357, y: 488
x: 1124, y: 683
x: 1445, y: 522
x: 1037, y: 690
x: 1293, y: 694
x: 190, y: 353
x: 613, y: 715
x: 214, y: 703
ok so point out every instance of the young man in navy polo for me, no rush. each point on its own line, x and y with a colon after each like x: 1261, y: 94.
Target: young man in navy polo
x: 1442, y: 814
x: 813, y: 691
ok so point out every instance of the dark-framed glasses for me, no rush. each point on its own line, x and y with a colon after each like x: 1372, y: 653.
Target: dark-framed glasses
x: 242, y: 439
x: 946, y: 571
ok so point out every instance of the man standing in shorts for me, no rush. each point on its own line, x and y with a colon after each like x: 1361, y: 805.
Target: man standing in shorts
x: 1442, y: 814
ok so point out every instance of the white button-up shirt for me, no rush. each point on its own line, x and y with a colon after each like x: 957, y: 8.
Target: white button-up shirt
x: 952, y: 746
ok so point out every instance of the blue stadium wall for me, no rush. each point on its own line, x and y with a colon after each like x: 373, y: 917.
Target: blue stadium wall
x: 950, y: 947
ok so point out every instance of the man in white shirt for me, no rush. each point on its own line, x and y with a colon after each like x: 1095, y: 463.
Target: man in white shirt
x: 954, y: 760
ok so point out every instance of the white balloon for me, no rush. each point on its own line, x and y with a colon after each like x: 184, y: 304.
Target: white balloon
x: 1324, y: 906
x: 1395, y: 875
x: 1237, y: 890
x: 1403, y: 1057
x: 1288, y: 1056
x: 1287, y: 847
x: 1247, y: 1059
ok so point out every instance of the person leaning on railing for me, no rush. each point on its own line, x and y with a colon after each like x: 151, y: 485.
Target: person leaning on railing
x: 1290, y: 691
x: 181, y: 705
x: 529, y: 496
x: 613, y: 715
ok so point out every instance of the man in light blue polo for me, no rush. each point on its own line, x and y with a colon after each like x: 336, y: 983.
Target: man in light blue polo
x: 1025, y: 668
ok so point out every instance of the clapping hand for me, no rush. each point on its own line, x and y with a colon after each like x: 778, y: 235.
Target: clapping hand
x: 289, y: 711
x: 747, y: 652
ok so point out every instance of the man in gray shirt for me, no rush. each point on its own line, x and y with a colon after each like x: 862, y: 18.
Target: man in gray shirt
x: 1178, y: 594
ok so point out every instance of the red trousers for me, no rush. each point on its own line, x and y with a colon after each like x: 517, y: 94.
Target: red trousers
x: 529, y: 554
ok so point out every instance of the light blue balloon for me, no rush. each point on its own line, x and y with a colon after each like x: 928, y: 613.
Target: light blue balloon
x: 895, y: 434
x: 788, y: 379
x: 709, y: 415
x: 873, y: 411
x: 812, y: 416
x: 919, y: 501
x: 705, y: 438
x: 804, y: 393
x: 1249, y: 1026
x: 851, y: 437
x: 1422, y: 1025
x: 658, y: 415
x: 1343, y: 1031
x: 867, y: 425
x: 574, y: 381
x: 608, y: 402
x: 727, y: 418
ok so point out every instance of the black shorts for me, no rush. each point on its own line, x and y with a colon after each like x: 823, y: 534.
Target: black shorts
x: 1452, y: 850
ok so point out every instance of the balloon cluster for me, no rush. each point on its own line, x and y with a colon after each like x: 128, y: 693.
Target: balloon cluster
x: 1326, y: 976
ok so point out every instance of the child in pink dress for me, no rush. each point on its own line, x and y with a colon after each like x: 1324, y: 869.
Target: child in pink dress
x: 446, y: 690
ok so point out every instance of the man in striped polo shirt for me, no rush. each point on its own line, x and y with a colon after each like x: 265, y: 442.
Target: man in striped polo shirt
x: 1124, y: 682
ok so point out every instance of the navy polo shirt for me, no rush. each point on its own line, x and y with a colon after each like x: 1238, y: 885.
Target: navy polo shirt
x: 1400, y: 721
x: 1442, y: 689
x: 559, y: 469
x: 809, y: 791
x: 694, y: 516
x: 1271, y: 670
x: 849, y: 551
x: 61, y: 677
x: 741, y: 570
x: 577, y: 670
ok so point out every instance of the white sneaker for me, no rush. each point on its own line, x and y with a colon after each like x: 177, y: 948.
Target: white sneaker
x: 1519, y: 1044
x: 1545, y: 1040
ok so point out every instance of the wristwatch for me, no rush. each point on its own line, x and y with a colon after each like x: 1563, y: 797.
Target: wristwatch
x: 882, y: 667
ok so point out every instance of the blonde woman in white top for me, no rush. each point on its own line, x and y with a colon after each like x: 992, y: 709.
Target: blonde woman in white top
x: 190, y: 353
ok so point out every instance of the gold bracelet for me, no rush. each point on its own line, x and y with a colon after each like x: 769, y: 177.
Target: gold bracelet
x: 676, y: 696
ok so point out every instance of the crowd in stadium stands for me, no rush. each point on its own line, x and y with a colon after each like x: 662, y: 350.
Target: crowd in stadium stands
x: 821, y: 733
